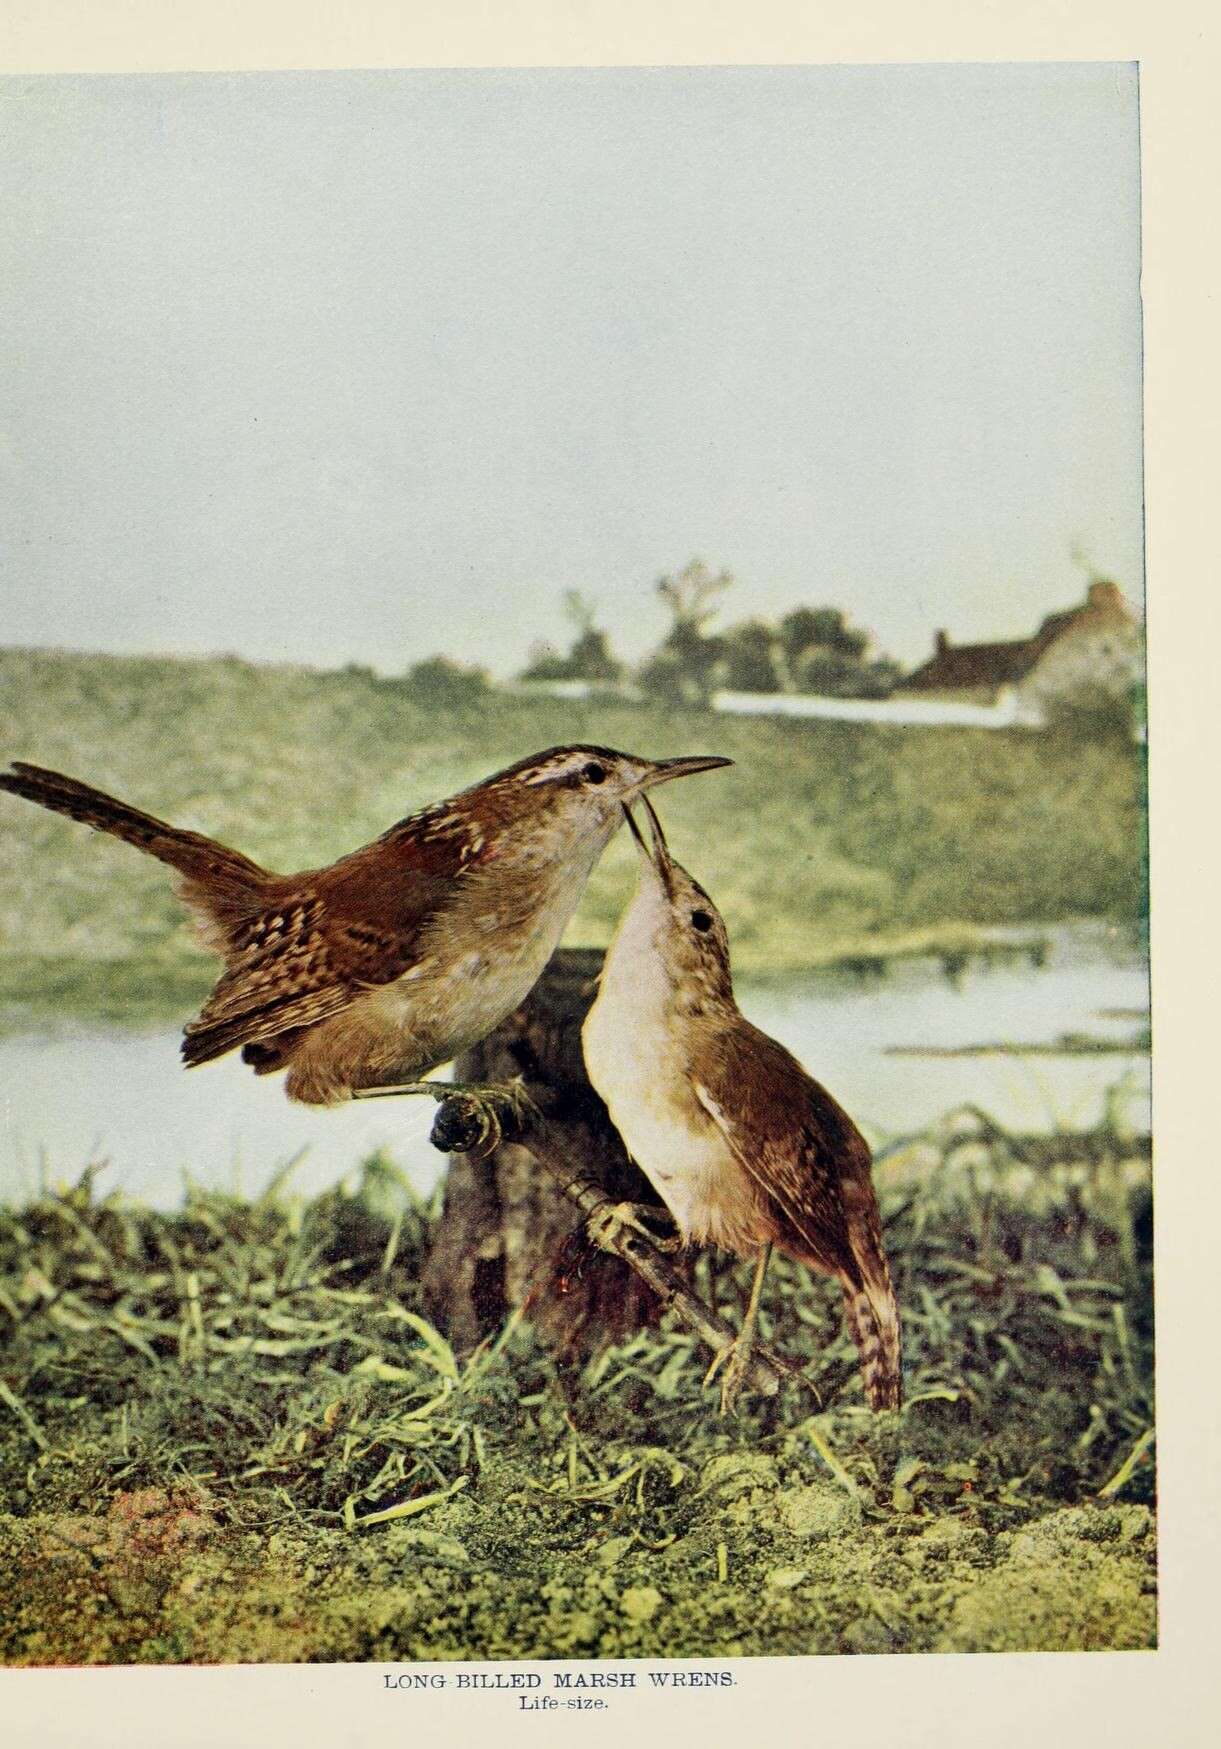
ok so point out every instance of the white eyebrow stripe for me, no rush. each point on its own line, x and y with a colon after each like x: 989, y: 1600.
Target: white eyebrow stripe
x: 549, y: 773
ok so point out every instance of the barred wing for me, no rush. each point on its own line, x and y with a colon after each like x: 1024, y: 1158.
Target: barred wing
x: 330, y: 937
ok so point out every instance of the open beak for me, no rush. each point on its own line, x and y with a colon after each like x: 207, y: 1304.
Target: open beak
x: 659, y: 856
x: 664, y: 769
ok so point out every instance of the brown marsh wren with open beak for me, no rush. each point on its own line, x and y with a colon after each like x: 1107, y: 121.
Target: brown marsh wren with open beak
x: 400, y: 956
x: 743, y: 1147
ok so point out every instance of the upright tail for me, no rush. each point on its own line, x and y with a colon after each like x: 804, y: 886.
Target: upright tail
x: 209, y: 867
x: 872, y: 1315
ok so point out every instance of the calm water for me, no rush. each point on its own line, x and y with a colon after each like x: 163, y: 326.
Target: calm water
x: 122, y: 1097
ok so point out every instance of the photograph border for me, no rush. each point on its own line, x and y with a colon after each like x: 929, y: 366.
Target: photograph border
x: 1169, y: 1696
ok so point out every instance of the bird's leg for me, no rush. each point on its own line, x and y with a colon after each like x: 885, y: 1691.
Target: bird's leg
x: 607, y: 1224
x: 735, y: 1356
x: 435, y: 1089
x: 486, y: 1111
x: 390, y: 1090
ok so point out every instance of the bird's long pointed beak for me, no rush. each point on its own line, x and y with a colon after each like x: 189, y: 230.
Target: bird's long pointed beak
x: 641, y: 846
x: 658, y: 857
x: 664, y: 769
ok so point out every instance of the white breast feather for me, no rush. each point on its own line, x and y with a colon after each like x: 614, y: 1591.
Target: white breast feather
x: 635, y: 1060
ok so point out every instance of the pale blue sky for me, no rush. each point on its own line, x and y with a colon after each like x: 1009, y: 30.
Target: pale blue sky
x: 354, y: 367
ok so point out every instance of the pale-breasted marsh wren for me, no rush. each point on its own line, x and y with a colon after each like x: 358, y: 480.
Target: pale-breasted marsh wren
x: 400, y: 956
x: 745, y: 1149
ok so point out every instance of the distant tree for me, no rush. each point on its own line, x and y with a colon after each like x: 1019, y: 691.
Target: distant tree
x: 882, y: 675
x: 445, y: 683
x: 546, y: 663
x: 691, y: 596
x: 824, y: 654
x: 811, y: 649
x: 825, y: 626
x: 580, y: 612
x: 798, y: 630
x: 685, y: 663
x: 824, y: 670
x: 588, y: 658
x: 749, y: 658
x: 852, y: 644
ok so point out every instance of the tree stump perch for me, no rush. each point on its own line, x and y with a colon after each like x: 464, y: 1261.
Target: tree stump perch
x: 509, y: 1236
x: 513, y: 1228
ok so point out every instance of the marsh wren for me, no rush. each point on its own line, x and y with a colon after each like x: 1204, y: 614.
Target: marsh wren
x: 405, y: 953
x: 744, y: 1148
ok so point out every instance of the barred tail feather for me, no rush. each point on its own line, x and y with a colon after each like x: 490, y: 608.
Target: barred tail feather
x: 199, y: 858
x: 872, y: 1316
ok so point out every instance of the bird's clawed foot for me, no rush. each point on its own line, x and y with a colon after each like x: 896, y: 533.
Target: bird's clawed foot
x: 476, y: 1120
x: 735, y: 1358
x: 472, y: 1120
x: 607, y: 1225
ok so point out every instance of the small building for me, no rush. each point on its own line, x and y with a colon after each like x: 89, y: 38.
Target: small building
x: 1087, y: 651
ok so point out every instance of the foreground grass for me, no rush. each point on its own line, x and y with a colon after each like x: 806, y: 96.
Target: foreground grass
x: 825, y: 841
x: 229, y: 1433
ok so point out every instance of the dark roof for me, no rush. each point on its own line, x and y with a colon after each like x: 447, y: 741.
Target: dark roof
x: 963, y: 665
x: 954, y: 666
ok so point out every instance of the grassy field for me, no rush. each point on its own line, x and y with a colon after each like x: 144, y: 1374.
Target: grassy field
x: 228, y: 1433
x: 825, y: 840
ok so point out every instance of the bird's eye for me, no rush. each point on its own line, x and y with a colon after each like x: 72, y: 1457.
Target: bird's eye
x: 702, y: 921
x: 594, y: 773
